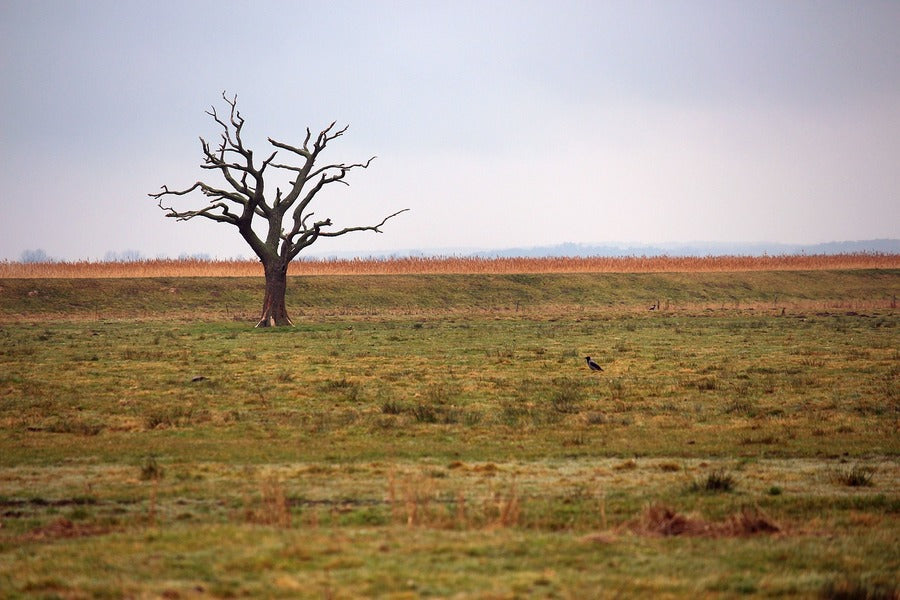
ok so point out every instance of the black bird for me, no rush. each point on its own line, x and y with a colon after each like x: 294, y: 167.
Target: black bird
x: 594, y: 366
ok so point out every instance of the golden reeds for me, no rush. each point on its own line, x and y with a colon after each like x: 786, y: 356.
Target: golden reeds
x: 443, y: 265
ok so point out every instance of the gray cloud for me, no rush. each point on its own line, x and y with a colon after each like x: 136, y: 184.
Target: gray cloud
x: 543, y: 122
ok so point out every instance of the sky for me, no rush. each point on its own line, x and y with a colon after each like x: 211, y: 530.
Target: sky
x: 497, y: 123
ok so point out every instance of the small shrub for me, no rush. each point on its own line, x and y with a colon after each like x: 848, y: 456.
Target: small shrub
x: 151, y: 470
x: 424, y: 413
x: 391, y: 407
x: 706, y: 384
x: 717, y: 481
x: 597, y: 418
x: 856, y: 476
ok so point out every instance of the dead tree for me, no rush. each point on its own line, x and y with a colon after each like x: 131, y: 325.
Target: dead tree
x: 287, y: 218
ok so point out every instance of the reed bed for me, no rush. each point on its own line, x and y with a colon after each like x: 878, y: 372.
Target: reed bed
x: 444, y: 265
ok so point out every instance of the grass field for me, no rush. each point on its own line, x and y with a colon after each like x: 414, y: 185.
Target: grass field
x: 440, y: 436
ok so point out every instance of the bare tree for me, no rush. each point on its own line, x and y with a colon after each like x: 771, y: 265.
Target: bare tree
x: 286, y: 218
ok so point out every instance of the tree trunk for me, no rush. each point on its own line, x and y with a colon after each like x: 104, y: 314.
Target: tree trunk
x: 274, y: 312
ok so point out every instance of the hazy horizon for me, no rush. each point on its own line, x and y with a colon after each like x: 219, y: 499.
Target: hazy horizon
x: 566, y: 249
x: 500, y: 125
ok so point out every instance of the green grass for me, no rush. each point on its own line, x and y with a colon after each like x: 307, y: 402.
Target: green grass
x: 229, y: 298
x: 420, y: 436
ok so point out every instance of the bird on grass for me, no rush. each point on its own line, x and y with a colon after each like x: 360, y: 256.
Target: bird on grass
x: 593, y: 366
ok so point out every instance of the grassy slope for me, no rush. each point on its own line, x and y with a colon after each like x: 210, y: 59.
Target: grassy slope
x: 424, y: 437
x: 161, y: 297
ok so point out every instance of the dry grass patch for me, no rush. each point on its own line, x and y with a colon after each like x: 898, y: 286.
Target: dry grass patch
x: 659, y: 519
x: 61, y: 528
x: 417, y: 502
x: 450, y: 265
x: 271, y: 507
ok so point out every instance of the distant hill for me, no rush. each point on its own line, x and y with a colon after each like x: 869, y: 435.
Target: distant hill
x: 883, y: 246
x: 613, y: 249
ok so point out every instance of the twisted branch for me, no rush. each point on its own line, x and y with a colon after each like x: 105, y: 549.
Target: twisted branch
x: 235, y: 163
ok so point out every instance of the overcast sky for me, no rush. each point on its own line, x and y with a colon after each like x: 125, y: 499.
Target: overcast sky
x: 497, y: 123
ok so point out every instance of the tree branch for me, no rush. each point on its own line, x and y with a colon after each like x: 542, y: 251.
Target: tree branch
x: 374, y: 228
x: 303, y: 172
x: 243, y: 197
x: 323, y: 181
x: 232, y: 143
x: 308, y: 235
x: 304, y: 151
x: 342, y: 167
x: 226, y: 216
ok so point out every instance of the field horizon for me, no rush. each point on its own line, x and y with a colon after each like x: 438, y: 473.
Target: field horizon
x: 438, y: 265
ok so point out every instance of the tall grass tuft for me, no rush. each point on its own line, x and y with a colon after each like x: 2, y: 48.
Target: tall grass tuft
x: 272, y: 508
x: 719, y: 480
x: 855, y: 476
x: 425, y: 413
